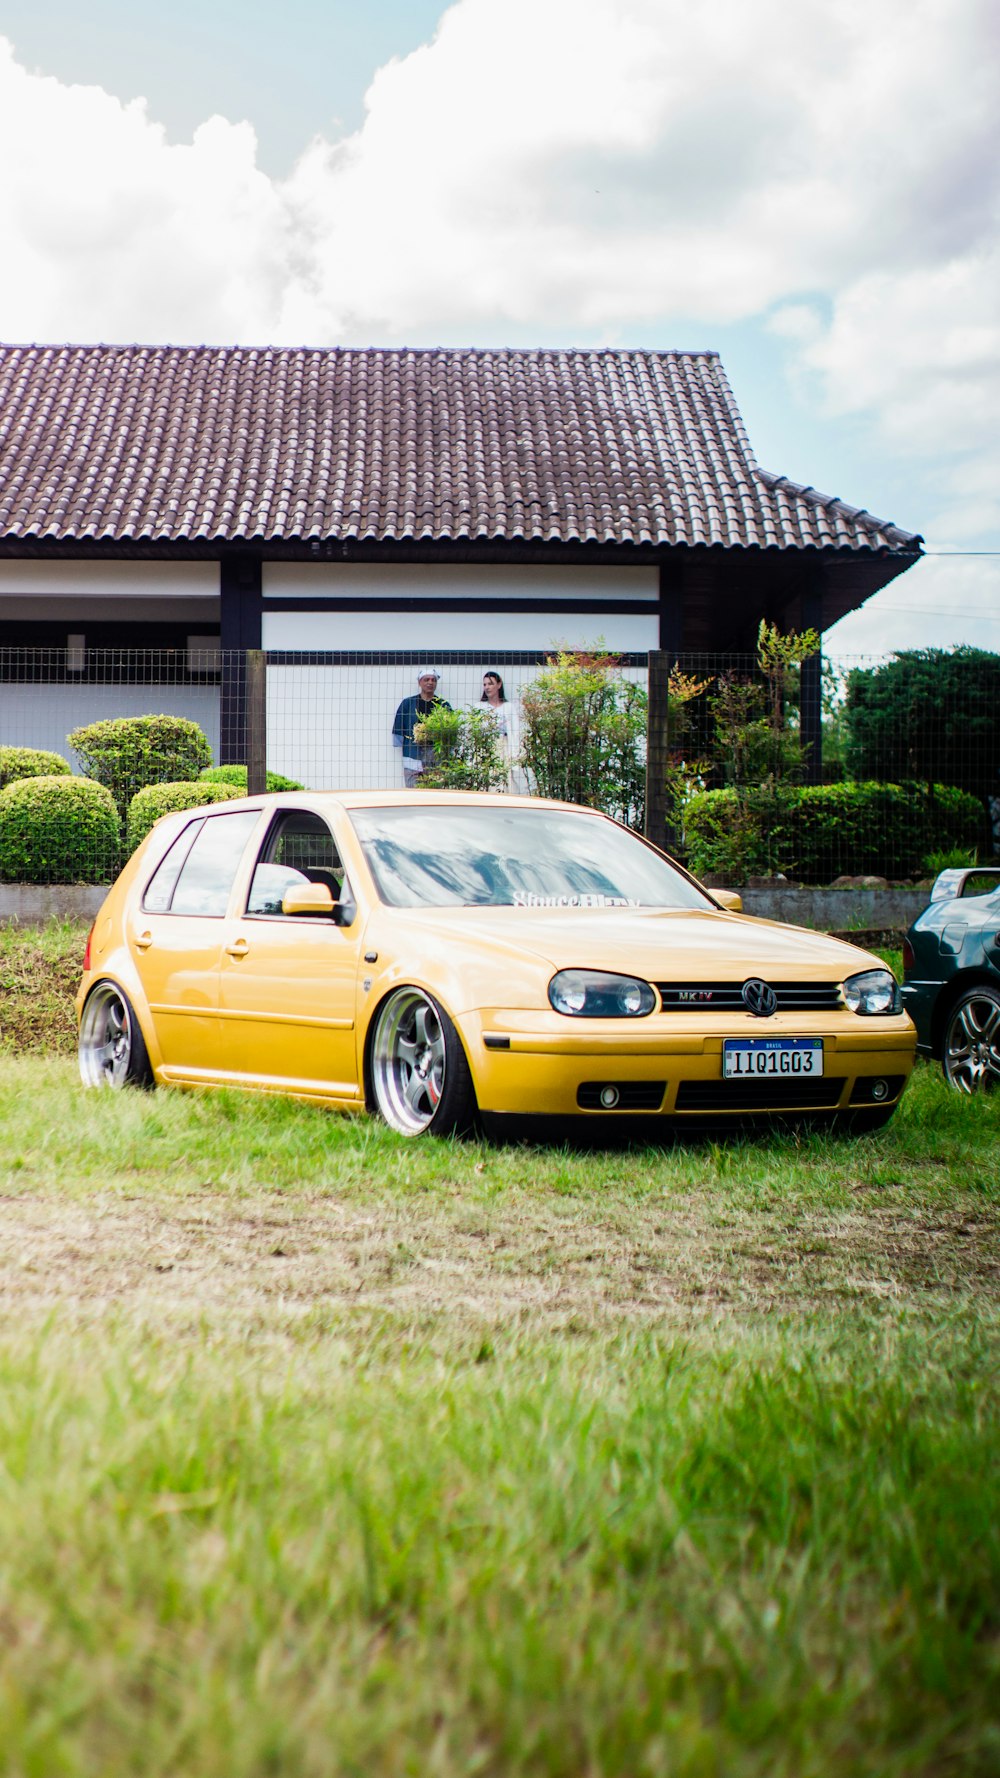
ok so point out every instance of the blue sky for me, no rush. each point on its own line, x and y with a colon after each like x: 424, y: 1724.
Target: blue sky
x: 821, y: 206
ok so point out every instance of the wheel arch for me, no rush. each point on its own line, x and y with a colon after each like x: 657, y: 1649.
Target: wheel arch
x: 952, y: 992
x: 132, y: 990
x: 390, y: 986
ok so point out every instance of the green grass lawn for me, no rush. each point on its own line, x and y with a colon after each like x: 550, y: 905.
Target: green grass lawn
x: 322, y: 1452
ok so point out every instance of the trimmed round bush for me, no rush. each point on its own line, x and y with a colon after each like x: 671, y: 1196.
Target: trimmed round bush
x: 238, y: 775
x: 128, y: 752
x: 29, y: 762
x: 58, y: 829
x: 822, y: 830
x: 148, y: 805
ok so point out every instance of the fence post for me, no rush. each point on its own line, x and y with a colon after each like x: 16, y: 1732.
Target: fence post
x: 811, y: 716
x: 256, y: 722
x: 658, y: 751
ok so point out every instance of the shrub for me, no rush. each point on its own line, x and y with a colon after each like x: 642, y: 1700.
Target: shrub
x: 128, y: 752
x: 58, y: 829
x: 584, y: 734
x: 739, y: 832
x: 468, y: 750
x: 29, y: 762
x: 148, y: 805
x: 237, y: 775
x: 820, y: 830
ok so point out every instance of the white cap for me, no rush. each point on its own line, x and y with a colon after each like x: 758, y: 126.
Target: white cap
x: 428, y: 673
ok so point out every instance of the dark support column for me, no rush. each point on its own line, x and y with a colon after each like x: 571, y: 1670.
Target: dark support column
x: 240, y: 625
x: 256, y: 721
x: 811, y: 692
x: 658, y: 828
x: 671, y: 608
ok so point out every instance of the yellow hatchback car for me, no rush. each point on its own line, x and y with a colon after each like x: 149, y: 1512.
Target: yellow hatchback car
x: 438, y: 956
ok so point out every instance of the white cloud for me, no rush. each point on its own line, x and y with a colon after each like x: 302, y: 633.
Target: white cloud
x: 113, y: 233
x: 639, y: 160
x: 544, y: 171
x: 653, y: 160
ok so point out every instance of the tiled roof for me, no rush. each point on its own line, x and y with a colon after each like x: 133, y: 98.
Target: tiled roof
x: 170, y: 443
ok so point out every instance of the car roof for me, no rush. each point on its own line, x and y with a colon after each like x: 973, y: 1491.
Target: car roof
x: 388, y: 799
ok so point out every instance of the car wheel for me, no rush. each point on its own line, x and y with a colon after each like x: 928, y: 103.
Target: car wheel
x: 111, y: 1048
x: 971, y: 1055
x: 419, y: 1073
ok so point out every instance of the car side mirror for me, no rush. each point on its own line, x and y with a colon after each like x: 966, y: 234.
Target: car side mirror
x: 728, y: 899
x: 308, y: 898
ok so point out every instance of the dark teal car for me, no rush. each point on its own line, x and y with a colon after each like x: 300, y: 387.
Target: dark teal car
x: 951, y: 977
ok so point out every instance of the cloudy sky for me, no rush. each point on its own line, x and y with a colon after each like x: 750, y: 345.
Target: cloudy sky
x: 813, y: 191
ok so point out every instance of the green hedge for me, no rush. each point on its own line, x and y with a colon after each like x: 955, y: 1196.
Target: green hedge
x: 29, y: 762
x: 148, y: 805
x: 238, y: 775
x: 128, y: 752
x: 58, y: 829
x: 817, y: 832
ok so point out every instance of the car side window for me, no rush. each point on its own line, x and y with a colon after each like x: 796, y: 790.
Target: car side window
x: 299, y: 848
x: 207, y: 874
x: 163, y: 881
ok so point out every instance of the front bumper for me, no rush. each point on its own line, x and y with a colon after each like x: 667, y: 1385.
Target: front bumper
x: 542, y: 1065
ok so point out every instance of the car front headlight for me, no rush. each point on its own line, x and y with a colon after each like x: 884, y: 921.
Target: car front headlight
x: 591, y: 994
x: 873, y: 991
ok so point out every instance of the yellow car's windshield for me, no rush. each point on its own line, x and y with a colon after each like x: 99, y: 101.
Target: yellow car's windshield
x: 498, y: 856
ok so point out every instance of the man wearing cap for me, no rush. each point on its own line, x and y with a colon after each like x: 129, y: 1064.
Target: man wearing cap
x: 417, y: 754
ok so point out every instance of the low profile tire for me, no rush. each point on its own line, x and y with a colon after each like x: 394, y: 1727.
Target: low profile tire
x: 419, y: 1073
x: 112, y: 1049
x: 971, y: 1054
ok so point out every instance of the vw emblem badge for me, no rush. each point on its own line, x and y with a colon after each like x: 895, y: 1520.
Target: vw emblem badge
x: 759, y: 999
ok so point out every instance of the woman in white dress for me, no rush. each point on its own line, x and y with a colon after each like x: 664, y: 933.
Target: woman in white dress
x: 505, y: 716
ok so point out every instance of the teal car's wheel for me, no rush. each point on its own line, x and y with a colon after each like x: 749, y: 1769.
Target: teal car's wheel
x: 112, y: 1050
x: 971, y: 1055
x: 419, y: 1074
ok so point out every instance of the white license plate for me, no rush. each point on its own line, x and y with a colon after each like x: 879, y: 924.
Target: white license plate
x: 765, y: 1058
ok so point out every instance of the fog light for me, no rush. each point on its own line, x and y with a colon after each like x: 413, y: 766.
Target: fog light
x: 880, y: 1089
x: 609, y: 1097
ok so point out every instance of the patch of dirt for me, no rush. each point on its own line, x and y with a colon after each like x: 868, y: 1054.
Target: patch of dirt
x: 270, y: 1255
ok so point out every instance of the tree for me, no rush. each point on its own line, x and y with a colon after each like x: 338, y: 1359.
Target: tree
x: 928, y: 715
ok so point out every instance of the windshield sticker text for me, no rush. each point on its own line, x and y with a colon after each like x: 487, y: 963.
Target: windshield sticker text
x: 528, y: 899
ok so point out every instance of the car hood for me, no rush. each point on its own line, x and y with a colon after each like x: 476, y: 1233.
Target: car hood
x: 657, y: 944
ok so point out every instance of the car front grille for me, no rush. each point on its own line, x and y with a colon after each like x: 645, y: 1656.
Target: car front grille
x: 728, y: 996
x: 758, y: 1095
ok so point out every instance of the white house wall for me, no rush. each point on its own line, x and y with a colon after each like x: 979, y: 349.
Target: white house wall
x: 122, y: 589
x: 492, y: 607
x: 330, y: 725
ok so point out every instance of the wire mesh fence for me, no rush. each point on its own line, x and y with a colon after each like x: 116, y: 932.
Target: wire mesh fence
x: 744, y: 769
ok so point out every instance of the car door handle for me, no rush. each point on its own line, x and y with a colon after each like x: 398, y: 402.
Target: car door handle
x: 238, y: 948
x: 143, y: 941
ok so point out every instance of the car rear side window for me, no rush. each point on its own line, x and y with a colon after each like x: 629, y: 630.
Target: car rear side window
x: 196, y: 876
x: 163, y: 881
